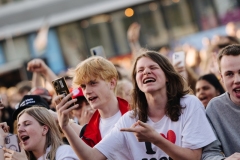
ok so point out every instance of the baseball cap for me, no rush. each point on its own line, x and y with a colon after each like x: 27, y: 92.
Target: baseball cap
x: 77, y: 92
x: 27, y: 102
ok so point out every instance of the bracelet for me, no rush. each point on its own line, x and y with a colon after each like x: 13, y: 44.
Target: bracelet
x: 1, y: 147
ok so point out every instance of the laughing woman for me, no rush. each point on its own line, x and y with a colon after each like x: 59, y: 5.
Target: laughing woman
x: 40, y: 137
x: 208, y: 87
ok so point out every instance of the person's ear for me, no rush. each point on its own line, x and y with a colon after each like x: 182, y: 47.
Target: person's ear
x: 45, y: 130
x: 113, y: 83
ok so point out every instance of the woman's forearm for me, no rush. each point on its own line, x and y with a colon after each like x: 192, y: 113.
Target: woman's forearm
x: 177, y: 152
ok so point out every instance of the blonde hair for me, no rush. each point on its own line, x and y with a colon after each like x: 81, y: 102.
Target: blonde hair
x: 119, y: 91
x: 93, y: 68
x: 53, y: 137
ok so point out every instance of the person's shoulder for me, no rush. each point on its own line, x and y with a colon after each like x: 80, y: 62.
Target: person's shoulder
x: 128, y: 114
x: 127, y: 120
x: 191, y: 103
x: 128, y: 117
x: 190, y: 99
x: 64, y: 151
x: 217, y: 101
x: 63, y: 148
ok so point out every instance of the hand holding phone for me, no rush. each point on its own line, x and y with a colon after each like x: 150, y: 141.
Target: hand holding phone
x: 61, y: 88
x: 178, y: 57
x: 178, y: 60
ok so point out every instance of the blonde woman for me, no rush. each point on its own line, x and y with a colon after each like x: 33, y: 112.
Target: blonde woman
x: 40, y: 137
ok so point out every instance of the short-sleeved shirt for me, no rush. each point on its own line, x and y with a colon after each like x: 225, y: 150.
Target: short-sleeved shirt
x: 192, y: 131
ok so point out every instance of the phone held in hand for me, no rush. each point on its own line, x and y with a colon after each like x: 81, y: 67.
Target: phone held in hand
x: 179, y: 57
x: 98, y: 51
x: 60, y: 87
x: 11, y: 142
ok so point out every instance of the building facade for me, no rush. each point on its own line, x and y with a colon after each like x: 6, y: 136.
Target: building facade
x: 62, y: 32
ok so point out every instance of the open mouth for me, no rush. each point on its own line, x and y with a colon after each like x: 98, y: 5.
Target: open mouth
x: 237, y: 90
x: 148, y: 80
x: 202, y: 98
x: 24, y: 138
x: 92, y: 99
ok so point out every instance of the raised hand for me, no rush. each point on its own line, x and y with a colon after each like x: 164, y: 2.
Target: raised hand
x: 142, y: 131
x: 37, y: 65
x: 63, y: 109
x: 178, y: 68
x: 4, y: 129
x: 182, y: 70
x: 86, y: 114
x: 133, y: 32
x: 13, y: 155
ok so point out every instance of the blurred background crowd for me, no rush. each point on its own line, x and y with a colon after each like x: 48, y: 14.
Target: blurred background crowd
x: 61, y: 33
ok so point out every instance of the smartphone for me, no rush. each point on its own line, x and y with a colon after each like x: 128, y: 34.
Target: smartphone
x: 60, y: 87
x: 179, y: 57
x: 11, y: 142
x: 98, y: 51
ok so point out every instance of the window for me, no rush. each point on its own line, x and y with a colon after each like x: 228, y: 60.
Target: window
x: 120, y: 24
x: 97, y: 32
x: 207, y: 16
x: 152, y: 25
x: 16, y: 49
x: 72, y: 44
x: 178, y: 18
x: 228, y: 11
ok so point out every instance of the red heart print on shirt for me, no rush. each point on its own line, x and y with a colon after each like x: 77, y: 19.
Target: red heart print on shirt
x: 171, y: 136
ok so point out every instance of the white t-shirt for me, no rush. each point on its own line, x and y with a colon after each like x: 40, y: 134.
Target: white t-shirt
x: 64, y: 152
x: 192, y: 131
x: 106, y: 124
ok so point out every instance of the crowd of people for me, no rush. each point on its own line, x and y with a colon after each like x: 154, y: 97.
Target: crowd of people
x: 161, y: 110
